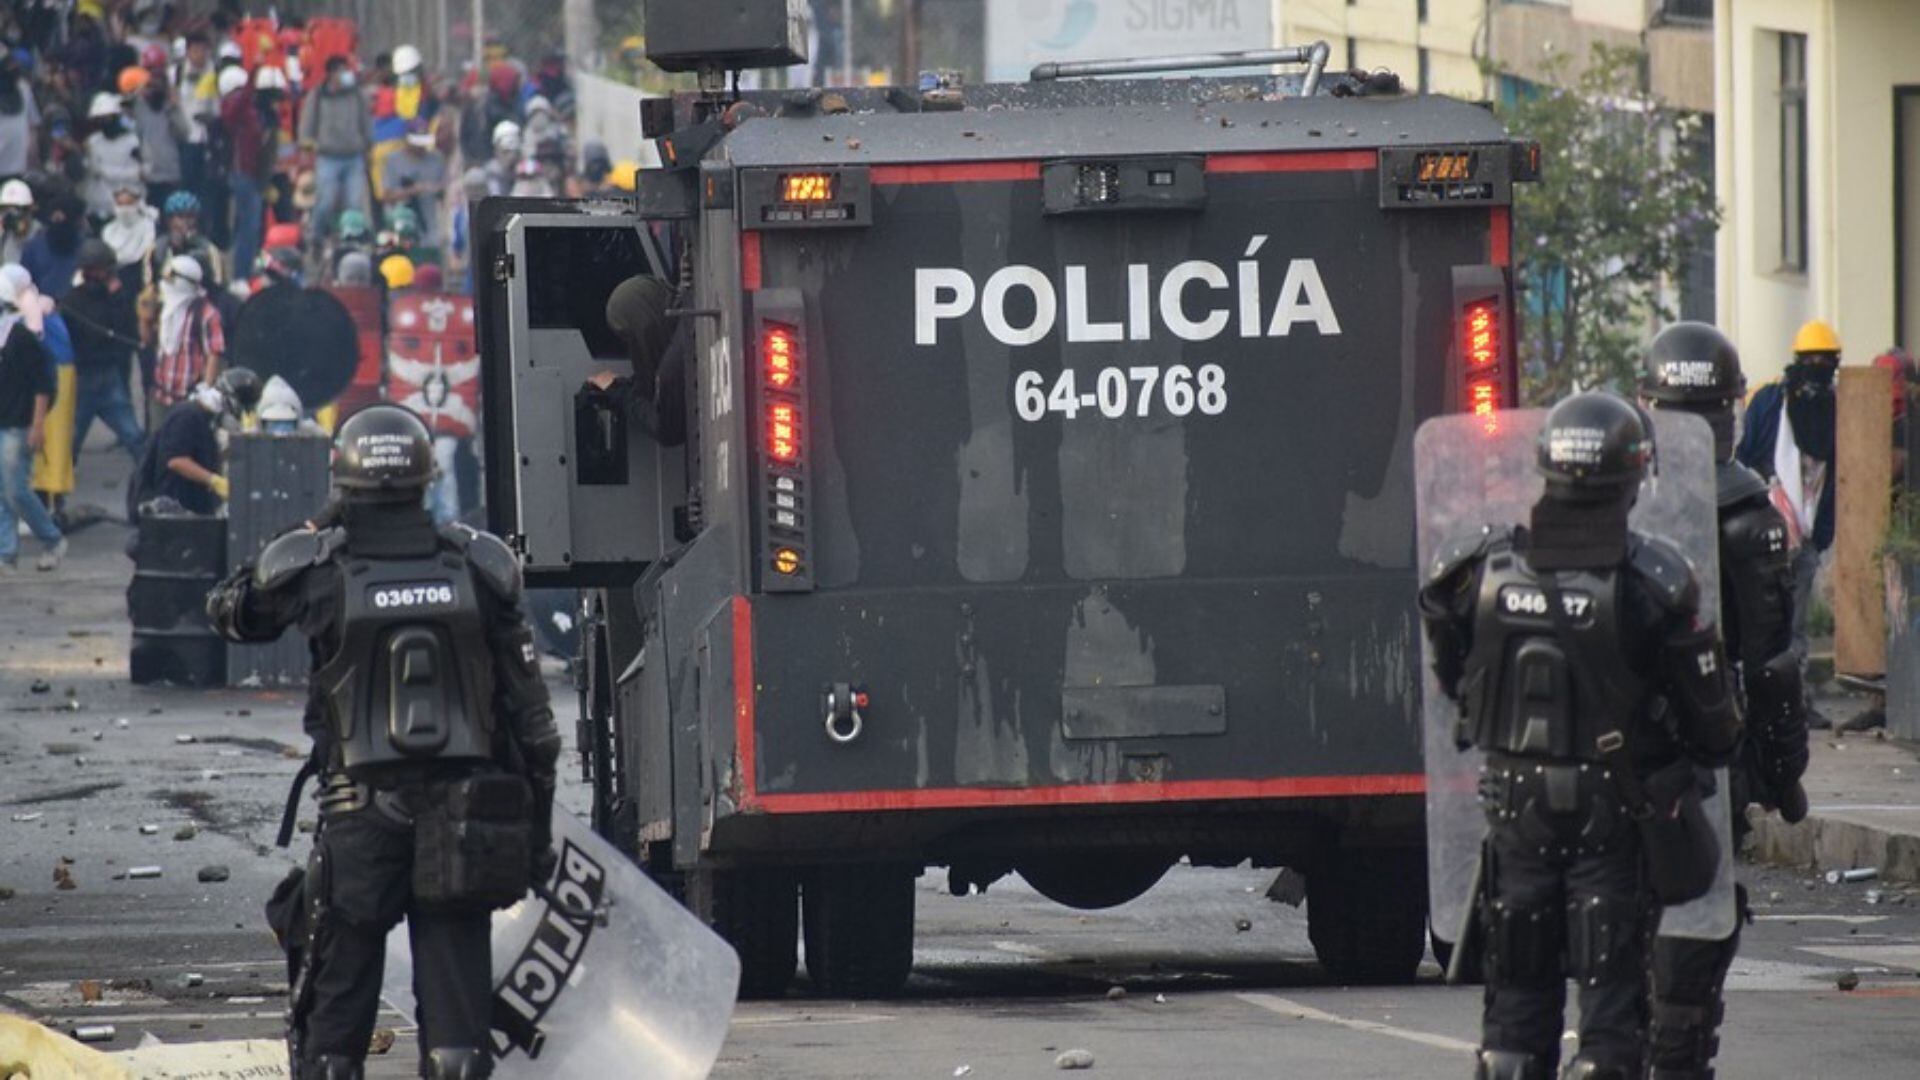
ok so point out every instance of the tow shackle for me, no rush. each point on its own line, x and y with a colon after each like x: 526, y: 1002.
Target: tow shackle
x: 845, y: 722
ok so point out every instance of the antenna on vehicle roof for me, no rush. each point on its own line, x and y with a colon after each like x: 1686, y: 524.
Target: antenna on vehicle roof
x: 1314, y: 56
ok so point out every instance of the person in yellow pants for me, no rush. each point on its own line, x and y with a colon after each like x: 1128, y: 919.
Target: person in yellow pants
x: 53, y: 462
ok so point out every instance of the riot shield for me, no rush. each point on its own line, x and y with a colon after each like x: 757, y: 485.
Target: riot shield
x: 1472, y: 471
x: 605, y: 975
x: 305, y: 336
x: 432, y: 366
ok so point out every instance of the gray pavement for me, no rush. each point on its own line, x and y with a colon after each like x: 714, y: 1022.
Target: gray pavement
x: 1003, y: 982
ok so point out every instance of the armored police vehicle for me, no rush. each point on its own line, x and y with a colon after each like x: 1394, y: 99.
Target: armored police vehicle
x: 1045, y: 505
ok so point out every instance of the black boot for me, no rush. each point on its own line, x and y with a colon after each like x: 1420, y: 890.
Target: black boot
x: 330, y: 1067
x: 1510, y: 1065
x: 456, y: 1063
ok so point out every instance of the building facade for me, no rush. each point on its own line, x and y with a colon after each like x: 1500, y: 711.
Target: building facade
x: 1431, y: 44
x: 1818, y: 173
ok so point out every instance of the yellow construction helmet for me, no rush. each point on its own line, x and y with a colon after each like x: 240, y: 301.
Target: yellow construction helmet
x: 625, y: 175
x: 398, y: 270
x: 633, y: 47
x: 1816, y: 337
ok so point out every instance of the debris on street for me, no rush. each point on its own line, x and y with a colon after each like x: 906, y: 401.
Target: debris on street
x: 382, y: 1041
x: 1865, y: 873
x: 139, y: 873
x: 185, y: 832
x: 1074, y: 1059
x: 214, y: 874
x: 1848, y: 981
x: 1115, y: 993
x: 94, y: 1033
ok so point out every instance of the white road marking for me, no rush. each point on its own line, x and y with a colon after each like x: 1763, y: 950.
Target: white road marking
x: 1897, y: 956
x: 1855, y: 920
x: 811, y: 1019
x: 1293, y: 1010
x: 1032, y: 952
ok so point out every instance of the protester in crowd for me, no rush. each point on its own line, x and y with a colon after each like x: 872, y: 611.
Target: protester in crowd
x: 336, y: 126
x: 354, y: 269
x: 503, y: 100
x: 248, y: 142
x: 532, y: 181
x: 503, y: 167
x: 190, y: 339
x: 161, y: 125
x: 52, y: 475
x: 131, y: 233
x: 356, y: 236
x: 415, y: 180
x: 183, y: 461
x: 26, y: 396
x: 19, y: 116
x: 100, y: 315
x: 17, y: 223
x: 113, y: 156
x: 62, y: 155
x: 595, y: 165
x: 52, y: 256
x: 543, y: 136
x: 397, y: 272
x: 550, y: 81
x: 85, y: 54
x: 183, y: 236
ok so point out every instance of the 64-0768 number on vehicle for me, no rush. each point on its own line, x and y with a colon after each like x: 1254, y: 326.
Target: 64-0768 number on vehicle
x: 1118, y: 392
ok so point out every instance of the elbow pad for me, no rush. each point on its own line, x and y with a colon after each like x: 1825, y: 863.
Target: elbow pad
x: 1694, y: 667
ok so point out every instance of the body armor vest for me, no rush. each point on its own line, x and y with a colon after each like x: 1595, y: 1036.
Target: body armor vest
x: 1520, y: 689
x: 410, y: 683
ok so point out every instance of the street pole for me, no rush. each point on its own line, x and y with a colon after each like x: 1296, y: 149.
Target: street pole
x: 479, y: 20
x: 581, y: 33
x: 846, y: 42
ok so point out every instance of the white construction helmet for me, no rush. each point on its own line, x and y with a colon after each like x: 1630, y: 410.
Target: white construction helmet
x: 278, y: 401
x: 103, y: 106
x: 506, y: 135
x: 269, y: 77
x: 406, y: 59
x: 16, y: 193
x: 232, y: 77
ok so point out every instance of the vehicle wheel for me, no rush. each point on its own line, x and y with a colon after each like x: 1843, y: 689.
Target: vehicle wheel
x: 859, y: 929
x: 1089, y: 882
x: 1367, y: 915
x: 758, y: 912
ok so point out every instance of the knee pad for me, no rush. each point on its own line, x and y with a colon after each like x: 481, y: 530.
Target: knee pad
x: 1603, y: 939
x: 1510, y: 1065
x: 456, y: 1063
x: 1523, y: 944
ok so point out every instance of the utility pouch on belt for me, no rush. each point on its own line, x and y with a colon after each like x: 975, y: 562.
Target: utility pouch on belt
x: 473, y: 843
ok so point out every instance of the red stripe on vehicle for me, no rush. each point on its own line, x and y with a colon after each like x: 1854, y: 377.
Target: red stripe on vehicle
x: 750, y: 261
x: 1299, y: 161
x: 1287, y: 787
x: 743, y: 693
x: 1500, y: 237
x: 958, y: 173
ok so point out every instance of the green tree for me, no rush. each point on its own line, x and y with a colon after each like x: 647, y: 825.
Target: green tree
x: 1625, y: 199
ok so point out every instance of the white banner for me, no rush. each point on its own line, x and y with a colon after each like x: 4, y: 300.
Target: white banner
x: 1022, y: 33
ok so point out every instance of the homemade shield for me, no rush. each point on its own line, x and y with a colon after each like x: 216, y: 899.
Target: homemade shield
x: 305, y: 336
x: 1471, y: 472
x: 433, y: 367
x: 615, y: 979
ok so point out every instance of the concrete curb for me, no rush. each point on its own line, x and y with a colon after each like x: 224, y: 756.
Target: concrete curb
x: 1834, y: 841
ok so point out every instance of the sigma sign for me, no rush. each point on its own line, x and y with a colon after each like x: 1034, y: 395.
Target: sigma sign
x: 1195, y: 300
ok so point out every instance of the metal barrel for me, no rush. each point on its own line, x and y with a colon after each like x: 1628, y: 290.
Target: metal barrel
x: 177, y: 559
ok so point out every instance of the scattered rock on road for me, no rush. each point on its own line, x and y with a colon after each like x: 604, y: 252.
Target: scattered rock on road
x: 185, y: 832
x: 40, y: 686
x: 63, y: 877
x: 382, y: 1041
x: 214, y: 874
x: 1074, y: 1059
x: 1848, y: 981
x: 1115, y: 993
x: 1242, y: 925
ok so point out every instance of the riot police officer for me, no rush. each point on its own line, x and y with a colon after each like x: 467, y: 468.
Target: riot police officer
x: 433, y: 740
x: 1559, y: 640
x: 1693, y: 367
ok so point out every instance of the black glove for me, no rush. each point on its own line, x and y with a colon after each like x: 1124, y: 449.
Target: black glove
x: 544, y: 857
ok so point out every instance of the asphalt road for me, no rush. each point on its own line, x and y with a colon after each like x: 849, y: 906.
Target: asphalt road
x: 1003, y: 982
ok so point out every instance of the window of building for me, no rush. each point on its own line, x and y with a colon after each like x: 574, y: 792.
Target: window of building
x: 1353, y: 62
x: 1793, y: 151
x: 1421, y: 9
x: 1697, y: 296
x: 1426, y: 72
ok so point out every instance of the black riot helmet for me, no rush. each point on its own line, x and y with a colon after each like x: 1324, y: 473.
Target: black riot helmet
x: 1693, y: 367
x: 383, y: 452
x: 1595, y: 447
x: 242, y: 389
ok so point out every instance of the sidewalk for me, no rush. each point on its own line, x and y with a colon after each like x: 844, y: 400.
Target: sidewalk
x: 1865, y: 795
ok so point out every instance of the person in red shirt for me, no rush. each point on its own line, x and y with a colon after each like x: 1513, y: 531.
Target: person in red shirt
x: 251, y: 140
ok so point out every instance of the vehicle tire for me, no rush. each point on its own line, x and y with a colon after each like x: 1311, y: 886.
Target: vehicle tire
x: 1090, y: 882
x: 1367, y: 915
x: 758, y: 912
x: 858, y: 924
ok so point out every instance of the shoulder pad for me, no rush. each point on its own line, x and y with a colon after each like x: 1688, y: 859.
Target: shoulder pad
x: 1753, y: 530
x: 490, y: 558
x: 290, y: 553
x: 1734, y: 482
x: 1666, y: 572
x: 1459, y: 550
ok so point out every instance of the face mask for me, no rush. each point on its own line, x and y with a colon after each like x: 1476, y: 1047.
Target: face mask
x: 347, y: 80
x: 127, y: 215
x: 113, y: 127
x: 411, y: 78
